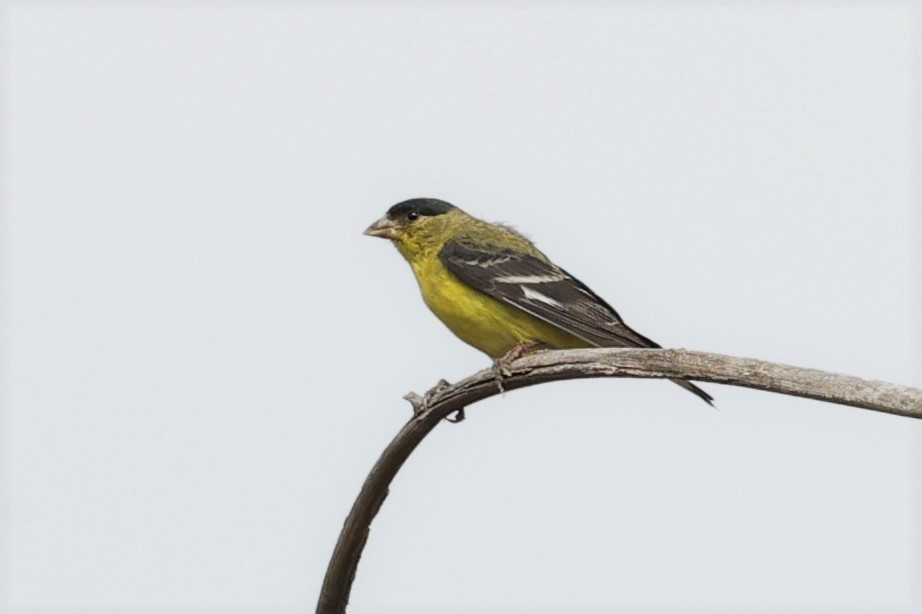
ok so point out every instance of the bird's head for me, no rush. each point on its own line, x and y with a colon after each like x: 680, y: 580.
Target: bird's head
x: 416, y: 225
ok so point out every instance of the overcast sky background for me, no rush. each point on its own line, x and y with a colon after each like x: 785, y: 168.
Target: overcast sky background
x: 203, y: 356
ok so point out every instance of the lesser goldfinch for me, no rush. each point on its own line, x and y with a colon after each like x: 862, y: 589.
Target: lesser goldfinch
x: 496, y: 291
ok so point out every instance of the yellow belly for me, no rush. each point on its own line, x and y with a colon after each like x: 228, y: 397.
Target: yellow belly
x: 489, y: 325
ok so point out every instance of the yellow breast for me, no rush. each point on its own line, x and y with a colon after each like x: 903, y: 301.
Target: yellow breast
x: 489, y: 325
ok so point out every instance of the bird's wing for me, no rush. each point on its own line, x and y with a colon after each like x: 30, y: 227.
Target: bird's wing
x: 541, y: 289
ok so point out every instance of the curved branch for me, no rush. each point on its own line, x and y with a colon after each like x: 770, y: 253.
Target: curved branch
x: 576, y: 364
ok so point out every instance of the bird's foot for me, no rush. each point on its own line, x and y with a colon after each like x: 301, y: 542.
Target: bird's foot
x: 500, y: 372
x: 422, y: 404
x: 501, y: 365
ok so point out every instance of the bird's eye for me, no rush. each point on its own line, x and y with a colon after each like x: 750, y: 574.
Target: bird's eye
x: 413, y: 215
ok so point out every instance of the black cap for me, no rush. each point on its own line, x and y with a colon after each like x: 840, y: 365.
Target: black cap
x: 422, y: 206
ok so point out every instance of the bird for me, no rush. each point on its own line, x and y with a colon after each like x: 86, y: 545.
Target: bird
x: 496, y: 291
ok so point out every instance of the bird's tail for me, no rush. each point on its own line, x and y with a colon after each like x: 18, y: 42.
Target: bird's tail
x: 687, y: 385
x: 628, y: 337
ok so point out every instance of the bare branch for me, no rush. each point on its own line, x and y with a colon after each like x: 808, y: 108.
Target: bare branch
x: 576, y: 364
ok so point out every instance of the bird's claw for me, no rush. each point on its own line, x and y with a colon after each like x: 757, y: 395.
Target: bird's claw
x: 501, y: 365
x: 500, y: 372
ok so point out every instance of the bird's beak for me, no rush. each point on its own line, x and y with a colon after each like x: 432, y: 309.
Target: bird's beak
x: 383, y: 228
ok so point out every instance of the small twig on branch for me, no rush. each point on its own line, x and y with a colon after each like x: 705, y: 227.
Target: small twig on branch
x: 576, y: 364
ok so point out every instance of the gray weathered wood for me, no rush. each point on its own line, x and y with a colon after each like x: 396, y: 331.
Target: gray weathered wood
x: 576, y: 364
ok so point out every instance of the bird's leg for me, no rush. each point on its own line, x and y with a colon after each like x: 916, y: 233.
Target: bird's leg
x: 501, y: 365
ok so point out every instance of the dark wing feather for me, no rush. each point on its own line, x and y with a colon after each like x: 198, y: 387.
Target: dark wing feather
x: 546, y: 291
x: 543, y: 290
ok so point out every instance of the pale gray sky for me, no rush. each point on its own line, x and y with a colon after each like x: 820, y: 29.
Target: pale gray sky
x: 205, y: 356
